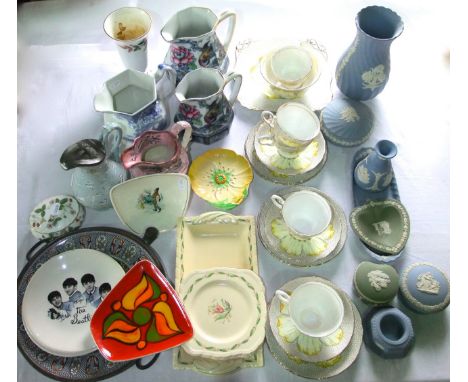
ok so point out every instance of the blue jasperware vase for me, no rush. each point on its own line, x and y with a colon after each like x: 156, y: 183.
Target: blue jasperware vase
x: 363, y: 70
x: 375, y: 172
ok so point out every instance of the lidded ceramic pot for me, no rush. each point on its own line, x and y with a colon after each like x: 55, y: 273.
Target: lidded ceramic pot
x: 424, y: 288
x: 388, y: 332
x: 55, y: 216
x: 346, y: 122
x: 376, y: 283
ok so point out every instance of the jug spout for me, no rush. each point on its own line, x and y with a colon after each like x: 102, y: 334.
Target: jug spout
x: 165, y: 81
x: 103, y: 101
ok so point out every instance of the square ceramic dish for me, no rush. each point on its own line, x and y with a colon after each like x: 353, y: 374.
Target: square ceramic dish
x: 215, y: 239
x: 156, y: 200
x: 228, y: 310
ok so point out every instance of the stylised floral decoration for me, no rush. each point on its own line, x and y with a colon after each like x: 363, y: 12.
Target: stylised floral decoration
x: 135, y: 47
x: 221, y: 177
x: 190, y: 114
x: 141, y: 316
x: 374, y: 77
x: 62, y: 206
x: 305, y: 344
x: 220, y: 310
x: 363, y: 174
x: 297, y: 247
x: 180, y: 55
x: 378, y: 279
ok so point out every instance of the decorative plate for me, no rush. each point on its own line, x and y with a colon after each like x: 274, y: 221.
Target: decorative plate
x: 142, y: 315
x: 122, y: 246
x: 221, y: 177
x: 308, y: 348
x: 305, y: 162
x: 275, y: 177
x: 362, y: 196
x: 347, y: 122
x: 257, y: 94
x: 323, y: 369
x: 156, y: 200
x: 301, y: 253
x: 55, y: 216
x: 383, y: 225
x: 61, y: 298
x: 224, y: 240
x: 228, y: 310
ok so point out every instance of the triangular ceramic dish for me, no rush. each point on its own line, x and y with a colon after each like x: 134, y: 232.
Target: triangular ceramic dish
x: 142, y: 315
x: 156, y: 200
x: 382, y: 225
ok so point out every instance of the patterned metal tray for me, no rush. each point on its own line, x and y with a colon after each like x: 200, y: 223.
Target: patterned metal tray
x: 124, y: 247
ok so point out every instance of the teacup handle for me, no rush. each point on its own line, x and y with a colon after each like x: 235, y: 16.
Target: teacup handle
x: 111, y: 138
x: 283, y: 296
x: 237, y: 82
x: 232, y: 24
x: 278, y: 201
x: 177, y: 127
x: 268, y: 117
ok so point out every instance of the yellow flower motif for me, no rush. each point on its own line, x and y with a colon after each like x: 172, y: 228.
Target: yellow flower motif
x: 221, y: 177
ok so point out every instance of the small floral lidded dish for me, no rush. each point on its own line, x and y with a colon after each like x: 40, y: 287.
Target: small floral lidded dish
x: 55, y: 216
x: 221, y: 177
x: 376, y: 284
x: 424, y: 288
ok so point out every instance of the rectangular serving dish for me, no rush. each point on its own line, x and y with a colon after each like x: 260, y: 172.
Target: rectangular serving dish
x: 215, y: 239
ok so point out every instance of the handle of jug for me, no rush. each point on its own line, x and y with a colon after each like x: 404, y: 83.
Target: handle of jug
x: 236, y: 80
x: 177, y: 127
x: 269, y: 118
x: 232, y: 24
x: 111, y: 139
x: 165, y: 87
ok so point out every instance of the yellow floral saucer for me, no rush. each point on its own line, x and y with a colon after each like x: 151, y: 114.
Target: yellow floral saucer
x: 221, y: 177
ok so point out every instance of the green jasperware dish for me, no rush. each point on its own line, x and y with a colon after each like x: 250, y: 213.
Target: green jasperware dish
x: 376, y: 283
x: 383, y: 226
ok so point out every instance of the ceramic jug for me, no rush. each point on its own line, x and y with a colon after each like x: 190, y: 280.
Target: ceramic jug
x: 203, y: 104
x: 363, y: 70
x: 136, y: 101
x: 193, y: 41
x: 94, y: 173
x: 374, y: 172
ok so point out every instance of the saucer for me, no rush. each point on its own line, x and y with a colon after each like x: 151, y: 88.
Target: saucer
x: 228, y: 311
x: 275, y: 177
x: 269, y: 214
x: 306, y: 348
x: 257, y: 94
x: 321, y: 369
x: 305, y: 162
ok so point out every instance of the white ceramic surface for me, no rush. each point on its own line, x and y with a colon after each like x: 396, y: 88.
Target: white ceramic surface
x: 227, y: 309
x: 65, y: 331
x: 315, y: 308
x: 305, y: 212
x: 290, y: 64
x: 129, y: 27
x: 156, y: 200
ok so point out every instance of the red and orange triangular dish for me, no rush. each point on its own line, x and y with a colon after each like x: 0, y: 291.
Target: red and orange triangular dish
x: 141, y: 315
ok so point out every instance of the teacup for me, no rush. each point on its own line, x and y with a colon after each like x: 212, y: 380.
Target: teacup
x: 315, y: 308
x: 290, y: 64
x: 293, y: 128
x: 306, y: 213
x: 129, y: 27
x: 158, y: 151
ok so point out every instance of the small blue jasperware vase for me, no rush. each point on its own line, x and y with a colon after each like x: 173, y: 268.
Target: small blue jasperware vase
x: 374, y: 172
x: 363, y: 70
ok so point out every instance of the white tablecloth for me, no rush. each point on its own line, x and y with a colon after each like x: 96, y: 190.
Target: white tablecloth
x: 64, y: 58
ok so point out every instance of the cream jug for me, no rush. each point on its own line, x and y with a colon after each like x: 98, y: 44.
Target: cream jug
x: 194, y: 42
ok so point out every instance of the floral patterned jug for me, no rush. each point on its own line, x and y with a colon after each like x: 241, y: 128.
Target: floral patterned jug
x: 194, y: 42
x: 362, y: 72
x: 374, y: 172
